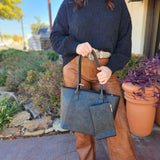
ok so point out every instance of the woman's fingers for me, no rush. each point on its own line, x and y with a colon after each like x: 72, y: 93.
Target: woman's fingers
x: 100, y: 74
x: 88, y: 47
x: 104, y: 75
x: 99, y: 68
x: 84, y: 49
x: 101, y: 79
x: 103, y: 82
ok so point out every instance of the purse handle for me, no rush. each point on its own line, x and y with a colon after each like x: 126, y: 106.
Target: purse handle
x: 79, y: 73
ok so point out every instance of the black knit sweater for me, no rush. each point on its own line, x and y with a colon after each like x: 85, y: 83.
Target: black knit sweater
x: 95, y: 23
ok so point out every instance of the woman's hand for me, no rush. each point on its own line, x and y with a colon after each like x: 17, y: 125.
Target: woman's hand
x: 84, y: 49
x: 104, y: 75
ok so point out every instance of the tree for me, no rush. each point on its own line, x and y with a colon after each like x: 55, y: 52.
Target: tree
x: 7, y: 36
x: 17, y: 38
x: 36, y: 26
x: 9, y: 10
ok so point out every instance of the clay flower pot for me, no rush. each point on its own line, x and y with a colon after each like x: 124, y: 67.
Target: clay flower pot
x: 140, y: 112
x: 157, y: 119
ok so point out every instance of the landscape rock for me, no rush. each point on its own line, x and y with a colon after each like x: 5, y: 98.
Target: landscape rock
x: 41, y: 123
x: 57, y: 126
x: 9, y: 94
x: 20, y: 118
x: 49, y: 130
x: 35, y: 111
x: 35, y: 133
x: 8, y: 132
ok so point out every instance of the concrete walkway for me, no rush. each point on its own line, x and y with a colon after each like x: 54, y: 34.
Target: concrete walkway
x: 53, y: 147
x: 62, y: 147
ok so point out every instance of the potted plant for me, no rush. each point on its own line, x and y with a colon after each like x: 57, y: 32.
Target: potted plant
x: 141, y: 90
x: 157, y: 119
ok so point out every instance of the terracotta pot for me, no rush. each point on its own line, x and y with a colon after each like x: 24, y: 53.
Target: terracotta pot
x: 140, y: 112
x: 157, y: 119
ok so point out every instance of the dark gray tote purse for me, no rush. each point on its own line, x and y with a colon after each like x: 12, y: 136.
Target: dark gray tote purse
x: 88, y: 111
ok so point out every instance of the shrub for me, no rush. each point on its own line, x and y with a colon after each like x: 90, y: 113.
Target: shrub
x: 19, y: 66
x: 18, y: 63
x: 45, y: 91
x: 8, y: 108
x: 4, y: 54
x: 133, y: 62
x: 32, y: 76
x: 3, y: 77
x: 52, y: 55
x: 147, y: 74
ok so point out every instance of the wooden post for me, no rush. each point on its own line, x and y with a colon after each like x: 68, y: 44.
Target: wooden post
x: 50, y: 15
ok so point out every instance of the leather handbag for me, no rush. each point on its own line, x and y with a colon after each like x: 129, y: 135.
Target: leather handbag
x: 88, y: 111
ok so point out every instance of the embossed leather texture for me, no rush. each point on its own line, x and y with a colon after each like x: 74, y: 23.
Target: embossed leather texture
x: 103, y: 121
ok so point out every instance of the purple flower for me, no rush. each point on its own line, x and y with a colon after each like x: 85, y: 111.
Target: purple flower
x: 146, y: 74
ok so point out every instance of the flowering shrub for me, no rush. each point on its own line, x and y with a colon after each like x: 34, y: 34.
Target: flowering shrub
x: 147, y: 74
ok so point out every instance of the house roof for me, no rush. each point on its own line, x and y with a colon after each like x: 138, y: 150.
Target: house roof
x: 43, y: 30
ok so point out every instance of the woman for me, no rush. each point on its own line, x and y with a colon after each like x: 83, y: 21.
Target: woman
x: 79, y: 27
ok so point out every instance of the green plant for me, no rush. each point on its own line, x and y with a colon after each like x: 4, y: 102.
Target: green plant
x: 39, y: 24
x: 19, y: 67
x: 22, y: 98
x: 133, y: 62
x: 8, y: 108
x: 145, y: 75
x: 32, y: 76
x: 4, y: 54
x: 45, y: 91
x: 3, y: 77
x: 52, y: 55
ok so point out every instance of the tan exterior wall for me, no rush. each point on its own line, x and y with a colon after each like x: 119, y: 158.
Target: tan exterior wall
x: 138, y: 12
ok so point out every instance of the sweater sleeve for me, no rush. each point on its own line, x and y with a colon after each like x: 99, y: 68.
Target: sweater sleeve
x: 61, y: 41
x: 122, y: 53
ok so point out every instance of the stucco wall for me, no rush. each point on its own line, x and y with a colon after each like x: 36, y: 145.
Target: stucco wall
x: 138, y: 12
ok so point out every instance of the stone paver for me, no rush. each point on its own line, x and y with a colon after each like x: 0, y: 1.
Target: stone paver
x: 62, y: 147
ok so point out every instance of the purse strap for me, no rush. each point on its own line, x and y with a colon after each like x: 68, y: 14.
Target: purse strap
x: 79, y: 73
